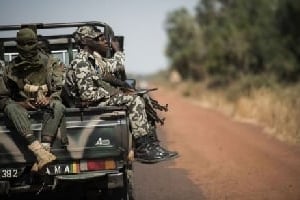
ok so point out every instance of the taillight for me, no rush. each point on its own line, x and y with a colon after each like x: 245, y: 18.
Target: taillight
x: 92, y: 165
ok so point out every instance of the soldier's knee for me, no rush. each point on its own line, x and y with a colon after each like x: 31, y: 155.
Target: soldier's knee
x: 58, y: 106
x: 14, y: 109
x: 9, y: 108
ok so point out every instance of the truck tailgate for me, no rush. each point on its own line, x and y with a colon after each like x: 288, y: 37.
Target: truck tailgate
x: 97, y: 132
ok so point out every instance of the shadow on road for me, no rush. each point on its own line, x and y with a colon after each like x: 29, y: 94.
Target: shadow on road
x: 162, y: 182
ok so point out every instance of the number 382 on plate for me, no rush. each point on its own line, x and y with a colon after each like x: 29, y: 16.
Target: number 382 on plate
x: 8, y: 173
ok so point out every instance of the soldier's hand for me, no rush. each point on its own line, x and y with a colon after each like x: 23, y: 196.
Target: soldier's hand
x: 43, y: 101
x: 115, y: 45
x: 27, y: 104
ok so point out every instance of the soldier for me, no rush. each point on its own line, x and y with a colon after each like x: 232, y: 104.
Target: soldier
x: 110, y: 66
x: 34, y: 81
x: 89, y: 86
x: 112, y: 70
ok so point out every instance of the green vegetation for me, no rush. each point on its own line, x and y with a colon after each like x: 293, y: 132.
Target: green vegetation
x: 230, y: 38
x: 246, y: 53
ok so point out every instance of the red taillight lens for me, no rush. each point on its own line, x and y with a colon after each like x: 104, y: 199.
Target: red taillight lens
x: 92, y: 165
x: 95, y: 165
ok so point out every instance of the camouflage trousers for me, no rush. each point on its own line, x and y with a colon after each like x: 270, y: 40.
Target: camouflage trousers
x: 19, y: 120
x: 136, y: 112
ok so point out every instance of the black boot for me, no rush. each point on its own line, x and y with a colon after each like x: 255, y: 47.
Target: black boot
x: 147, y: 151
x: 167, y: 153
x: 153, y: 137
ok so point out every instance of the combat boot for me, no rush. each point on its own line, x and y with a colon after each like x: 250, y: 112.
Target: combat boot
x: 167, y: 153
x: 35, y: 167
x: 43, y: 156
x: 147, y: 152
x: 153, y: 137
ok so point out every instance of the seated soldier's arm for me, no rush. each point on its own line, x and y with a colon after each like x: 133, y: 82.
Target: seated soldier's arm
x: 86, y: 82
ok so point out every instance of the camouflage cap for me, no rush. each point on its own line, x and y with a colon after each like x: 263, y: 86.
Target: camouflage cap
x: 88, y: 31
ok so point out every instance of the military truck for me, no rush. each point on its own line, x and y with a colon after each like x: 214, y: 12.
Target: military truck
x: 99, y: 139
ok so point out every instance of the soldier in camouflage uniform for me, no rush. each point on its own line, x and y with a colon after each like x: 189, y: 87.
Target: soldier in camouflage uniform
x: 33, y: 81
x: 112, y: 70
x: 83, y: 73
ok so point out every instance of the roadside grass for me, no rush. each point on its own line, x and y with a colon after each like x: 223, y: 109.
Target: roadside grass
x: 258, y: 100
x: 276, y: 109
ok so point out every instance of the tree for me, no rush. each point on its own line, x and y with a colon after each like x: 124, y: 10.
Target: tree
x: 229, y: 38
x: 184, y: 48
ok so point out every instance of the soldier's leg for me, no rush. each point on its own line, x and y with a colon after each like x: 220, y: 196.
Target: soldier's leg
x: 51, y: 122
x: 152, y: 119
x: 136, y: 112
x: 147, y: 150
x: 18, y: 116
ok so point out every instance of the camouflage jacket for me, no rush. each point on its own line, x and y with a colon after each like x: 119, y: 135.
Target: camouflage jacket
x: 85, y: 81
x: 22, y: 79
x: 109, y: 66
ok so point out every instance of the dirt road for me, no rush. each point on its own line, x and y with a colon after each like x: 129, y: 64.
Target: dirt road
x: 219, y: 159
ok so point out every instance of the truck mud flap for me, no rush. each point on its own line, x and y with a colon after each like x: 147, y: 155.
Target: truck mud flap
x: 4, y: 187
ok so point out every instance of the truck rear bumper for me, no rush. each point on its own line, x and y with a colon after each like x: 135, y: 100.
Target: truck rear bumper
x: 114, y: 180
x: 93, y: 180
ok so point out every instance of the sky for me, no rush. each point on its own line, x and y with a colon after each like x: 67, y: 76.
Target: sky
x: 141, y: 22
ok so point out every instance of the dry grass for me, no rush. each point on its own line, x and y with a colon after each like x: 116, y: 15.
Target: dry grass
x: 278, y: 110
x: 279, y: 114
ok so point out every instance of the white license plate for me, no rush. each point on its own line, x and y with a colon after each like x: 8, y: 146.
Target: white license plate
x: 56, y: 169
x: 9, y: 172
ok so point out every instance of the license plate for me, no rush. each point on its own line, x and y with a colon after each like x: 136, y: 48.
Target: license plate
x: 9, y: 172
x: 62, y: 168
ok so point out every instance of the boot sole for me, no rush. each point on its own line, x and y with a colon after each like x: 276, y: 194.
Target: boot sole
x: 156, y: 160
x: 149, y: 161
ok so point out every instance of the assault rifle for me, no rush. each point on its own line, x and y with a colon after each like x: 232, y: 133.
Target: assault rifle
x: 151, y: 105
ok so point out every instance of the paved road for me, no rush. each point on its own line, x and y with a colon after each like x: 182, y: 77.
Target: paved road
x: 163, y: 181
